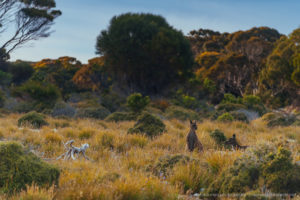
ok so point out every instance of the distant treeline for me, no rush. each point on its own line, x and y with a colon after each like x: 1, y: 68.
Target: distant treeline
x: 143, y: 53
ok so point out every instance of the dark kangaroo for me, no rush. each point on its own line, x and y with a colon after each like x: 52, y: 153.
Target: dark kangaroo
x: 233, y: 143
x: 192, y: 139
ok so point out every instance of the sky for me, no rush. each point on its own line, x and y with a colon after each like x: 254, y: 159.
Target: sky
x: 76, y: 30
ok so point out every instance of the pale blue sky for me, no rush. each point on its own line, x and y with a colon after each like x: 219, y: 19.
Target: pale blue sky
x: 82, y: 20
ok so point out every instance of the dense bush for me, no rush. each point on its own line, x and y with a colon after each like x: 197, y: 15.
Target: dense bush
x: 258, y: 167
x: 181, y: 113
x: 226, y: 117
x: 230, y: 98
x: 121, y: 116
x: 112, y: 101
x: 278, y: 119
x: 149, y: 125
x: 21, y: 72
x: 45, y: 94
x: 93, y: 112
x: 62, y: 109
x: 239, y: 116
x: 218, y: 136
x: 32, y: 119
x: 5, y: 78
x: 136, y: 102
x: 19, y: 168
x: 280, y: 174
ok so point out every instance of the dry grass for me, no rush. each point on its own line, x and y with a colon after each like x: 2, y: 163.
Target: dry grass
x: 119, y: 166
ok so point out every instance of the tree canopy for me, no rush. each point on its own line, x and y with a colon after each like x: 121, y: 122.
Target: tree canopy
x: 32, y: 20
x: 144, y: 52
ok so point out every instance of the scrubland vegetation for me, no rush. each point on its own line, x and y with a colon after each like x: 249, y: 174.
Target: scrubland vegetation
x: 134, y: 166
x: 133, y: 103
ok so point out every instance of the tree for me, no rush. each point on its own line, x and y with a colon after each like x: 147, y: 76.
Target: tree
x: 281, y: 77
x: 58, y: 72
x: 144, y: 52
x: 92, y: 76
x: 32, y: 18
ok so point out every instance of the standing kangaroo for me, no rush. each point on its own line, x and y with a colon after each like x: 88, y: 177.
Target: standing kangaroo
x: 192, y: 139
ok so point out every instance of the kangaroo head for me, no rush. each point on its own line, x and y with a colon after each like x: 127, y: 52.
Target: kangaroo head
x: 193, y: 125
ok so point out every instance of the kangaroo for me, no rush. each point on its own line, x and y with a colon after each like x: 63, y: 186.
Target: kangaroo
x: 192, y: 139
x: 234, y: 144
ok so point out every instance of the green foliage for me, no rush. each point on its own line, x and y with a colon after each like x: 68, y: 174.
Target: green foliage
x: 281, y: 175
x: 21, y: 72
x: 149, y: 125
x: 225, y: 117
x: 145, y: 52
x: 112, y: 101
x: 230, y: 98
x: 181, y: 113
x: 5, y: 78
x: 136, y: 102
x: 93, y: 112
x: 41, y: 92
x: 121, y: 116
x: 58, y: 72
x: 209, y: 85
x: 258, y: 167
x: 282, y: 69
x: 278, y: 119
x: 239, y: 116
x: 218, y: 136
x: 32, y: 119
x: 19, y: 168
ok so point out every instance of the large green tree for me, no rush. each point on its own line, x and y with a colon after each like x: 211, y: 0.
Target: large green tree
x: 144, y: 52
x: 31, y: 20
x: 280, y: 80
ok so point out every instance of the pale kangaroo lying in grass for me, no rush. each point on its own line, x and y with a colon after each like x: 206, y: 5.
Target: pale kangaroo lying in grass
x: 192, y: 139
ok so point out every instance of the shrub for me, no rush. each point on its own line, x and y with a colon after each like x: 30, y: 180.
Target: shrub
x: 149, y: 125
x: 62, y: 109
x: 5, y: 78
x: 278, y: 119
x: 218, y: 136
x: 258, y: 167
x: 121, y: 116
x: 93, y: 112
x: 112, y: 101
x: 136, y: 102
x: 226, y: 117
x: 251, y: 100
x: 227, y: 107
x: 43, y: 93
x: 21, y: 72
x: 32, y: 119
x: 239, y: 116
x: 230, y: 98
x: 19, y: 168
x: 181, y: 113
x: 281, y: 175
